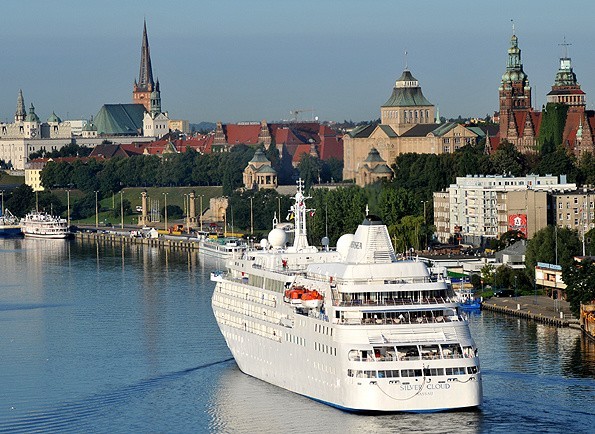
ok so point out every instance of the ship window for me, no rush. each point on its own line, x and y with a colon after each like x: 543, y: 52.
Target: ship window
x: 388, y: 374
x: 472, y: 369
x: 455, y: 371
x: 411, y: 373
x: 432, y: 372
x: 369, y: 374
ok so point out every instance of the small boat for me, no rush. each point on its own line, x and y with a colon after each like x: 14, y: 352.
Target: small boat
x: 9, y: 225
x: 470, y: 304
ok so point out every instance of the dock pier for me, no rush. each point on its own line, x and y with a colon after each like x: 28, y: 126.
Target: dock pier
x: 537, y: 308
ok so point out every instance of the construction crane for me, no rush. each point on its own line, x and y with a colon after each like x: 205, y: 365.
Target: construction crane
x: 296, y: 114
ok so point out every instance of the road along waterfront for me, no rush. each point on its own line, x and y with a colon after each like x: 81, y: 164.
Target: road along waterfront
x: 121, y: 338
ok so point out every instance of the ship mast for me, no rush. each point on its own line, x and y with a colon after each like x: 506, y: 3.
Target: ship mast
x: 299, y: 210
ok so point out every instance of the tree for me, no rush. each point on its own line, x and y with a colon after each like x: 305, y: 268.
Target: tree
x: 579, y: 278
x: 309, y: 168
x: 507, y: 159
x: 21, y: 201
x: 487, y: 274
x: 174, y: 212
x: 553, y: 246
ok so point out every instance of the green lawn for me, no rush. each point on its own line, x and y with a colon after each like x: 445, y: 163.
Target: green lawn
x: 9, y: 180
x: 175, y: 196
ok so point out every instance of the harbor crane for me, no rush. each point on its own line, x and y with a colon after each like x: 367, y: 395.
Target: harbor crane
x: 296, y: 114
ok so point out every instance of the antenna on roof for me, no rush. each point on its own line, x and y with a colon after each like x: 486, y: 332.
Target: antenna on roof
x: 512, y: 21
x: 565, y: 45
x: 406, y: 66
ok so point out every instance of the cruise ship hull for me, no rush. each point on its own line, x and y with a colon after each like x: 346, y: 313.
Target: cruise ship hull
x: 303, y: 372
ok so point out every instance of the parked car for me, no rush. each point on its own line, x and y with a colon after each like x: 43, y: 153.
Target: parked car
x: 504, y: 293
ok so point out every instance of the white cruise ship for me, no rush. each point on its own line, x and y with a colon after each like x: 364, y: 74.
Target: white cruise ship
x: 354, y: 328
x: 42, y: 225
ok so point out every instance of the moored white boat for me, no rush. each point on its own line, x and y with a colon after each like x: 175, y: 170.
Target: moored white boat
x: 223, y: 248
x: 373, y: 334
x: 42, y: 225
x: 9, y: 225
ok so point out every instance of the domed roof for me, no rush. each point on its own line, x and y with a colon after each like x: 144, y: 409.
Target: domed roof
x: 374, y: 157
x: 54, y: 118
x: 259, y: 157
x: 31, y: 116
x: 90, y: 126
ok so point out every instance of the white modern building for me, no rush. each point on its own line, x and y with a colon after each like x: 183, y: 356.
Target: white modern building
x: 479, y: 208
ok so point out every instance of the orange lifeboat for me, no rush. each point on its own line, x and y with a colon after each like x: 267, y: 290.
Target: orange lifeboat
x: 312, y: 299
x: 294, y: 295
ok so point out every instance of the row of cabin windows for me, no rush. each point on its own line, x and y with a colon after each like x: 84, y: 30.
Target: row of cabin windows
x: 411, y: 373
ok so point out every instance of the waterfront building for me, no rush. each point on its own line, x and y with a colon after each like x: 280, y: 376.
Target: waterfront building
x: 28, y: 134
x: 478, y: 208
x: 408, y: 123
x: 574, y: 210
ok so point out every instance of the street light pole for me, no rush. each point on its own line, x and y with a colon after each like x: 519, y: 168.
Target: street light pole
x: 122, y: 209
x: 2, y: 193
x: 67, y: 207
x: 251, y: 218
x: 165, y: 208
x: 201, y: 211
x: 96, y: 212
x: 425, y: 224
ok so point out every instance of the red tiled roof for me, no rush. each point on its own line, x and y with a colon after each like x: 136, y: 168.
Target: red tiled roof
x: 246, y: 134
x: 298, y: 152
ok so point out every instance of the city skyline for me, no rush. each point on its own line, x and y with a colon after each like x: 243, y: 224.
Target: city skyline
x: 233, y: 61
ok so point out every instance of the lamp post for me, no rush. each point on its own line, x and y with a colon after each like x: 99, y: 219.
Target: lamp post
x: 96, y: 211
x: 2, y: 193
x: 67, y: 207
x: 425, y: 224
x: 515, y: 288
x: 122, y: 209
x: 187, y: 211
x: 279, y: 207
x: 251, y: 218
x: 201, y: 196
x: 165, y: 209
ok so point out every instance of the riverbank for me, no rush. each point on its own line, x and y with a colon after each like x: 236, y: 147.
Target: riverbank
x: 538, y: 308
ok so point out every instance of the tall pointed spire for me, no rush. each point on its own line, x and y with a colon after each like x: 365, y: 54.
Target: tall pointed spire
x: 145, y: 77
x: 21, y: 113
x: 144, y: 87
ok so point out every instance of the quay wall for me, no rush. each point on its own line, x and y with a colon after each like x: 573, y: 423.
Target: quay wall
x: 170, y: 242
x: 544, y: 318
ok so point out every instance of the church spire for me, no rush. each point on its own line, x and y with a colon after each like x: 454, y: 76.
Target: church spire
x: 145, y: 77
x: 21, y: 113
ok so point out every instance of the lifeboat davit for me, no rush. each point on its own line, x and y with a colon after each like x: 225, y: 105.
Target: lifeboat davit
x: 312, y: 299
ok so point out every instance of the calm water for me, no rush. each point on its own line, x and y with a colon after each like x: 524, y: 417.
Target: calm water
x: 112, y: 339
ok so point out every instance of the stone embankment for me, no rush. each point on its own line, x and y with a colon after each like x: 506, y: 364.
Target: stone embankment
x: 114, y: 237
x: 538, y: 308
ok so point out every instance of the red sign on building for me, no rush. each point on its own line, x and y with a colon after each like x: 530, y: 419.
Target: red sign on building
x: 518, y: 222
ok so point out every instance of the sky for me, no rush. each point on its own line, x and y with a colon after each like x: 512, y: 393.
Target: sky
x: 241, y: 60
